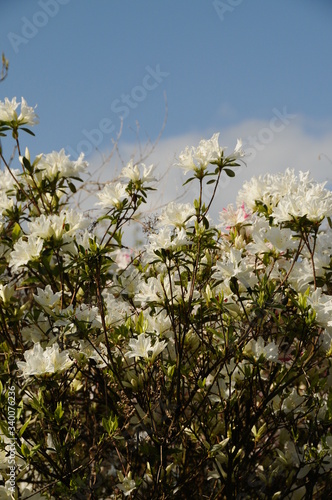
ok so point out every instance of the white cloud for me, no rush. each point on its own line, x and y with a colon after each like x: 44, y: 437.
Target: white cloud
x: 289, y: 147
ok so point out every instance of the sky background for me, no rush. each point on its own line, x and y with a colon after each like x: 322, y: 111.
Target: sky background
x: 259, y: 69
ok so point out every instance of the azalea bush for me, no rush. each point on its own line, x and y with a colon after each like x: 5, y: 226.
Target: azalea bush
x: 195, y: 366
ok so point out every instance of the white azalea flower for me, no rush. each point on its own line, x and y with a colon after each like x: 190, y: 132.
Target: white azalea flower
x: 25, y: 251
x: 89, y: 315
x: 267, y: 239
x: 176, y: 214
x: 59, y: 227
x: 322, y: 305
x: 8, y: 113
x: 123, y: 257
x: 129, y: 282
x: 287, y: 195
x: 39, y: 361
x: 197, y: 159
x: 208, y: 151
x: 165, y: 238
x: 58, y: 163
x: 238, y: 151
x: 98, y: 354
x: 269, y: 188
x: 117, y: 309
x: 293, y: 403
x: 127, y: 484
x: 233, y: 265
x: 6, y: 203
x: 134, y: 172
x: 112, y: 195
x: 7, y: 182
x: 47, y: 299
x: 186, y: 161
x: 5, y: 491
x: 257, y: 348
x: 6, y: 292
x: 142, y: 347
x: 39, y: 331
x: 315, y: 205
x: 27, y: 115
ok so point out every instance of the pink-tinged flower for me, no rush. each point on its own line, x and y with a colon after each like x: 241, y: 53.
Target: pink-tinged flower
x: 230, y: 217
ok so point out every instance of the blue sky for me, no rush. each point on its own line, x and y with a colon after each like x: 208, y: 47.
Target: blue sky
x: 230, y: 66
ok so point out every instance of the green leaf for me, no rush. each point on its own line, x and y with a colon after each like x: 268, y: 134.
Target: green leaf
x: 229, y: 172
x: 24, y: 426
x: 188, y: 180
x: 16, y: 232
x: 25, y: 450
x: 110, y: 424
x: 59, y: 412
x: 27, y: 164
x: 72, y: 187
x: 28, y: 131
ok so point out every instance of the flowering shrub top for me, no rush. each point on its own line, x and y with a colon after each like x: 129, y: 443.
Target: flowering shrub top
x: 197, y: 366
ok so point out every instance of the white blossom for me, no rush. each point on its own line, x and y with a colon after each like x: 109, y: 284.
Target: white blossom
x: 98, y: 354
x: 24, y: 251
x: 133, y: 171
x: 142, y: 347
x: 47, y: 298
x: 8, y: 113
x: 196, y: 160
x: 127, y: 484
x: 40, y: 362
x: 112, y: 195
x: 177, y: 214
x: 257, y: 348
x: 58, y: 164
x: 6, y: 292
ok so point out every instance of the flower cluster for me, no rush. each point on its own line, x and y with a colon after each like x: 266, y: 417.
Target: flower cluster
x: 9, y: 116
x: 196, y: 365
x: 196, y: 160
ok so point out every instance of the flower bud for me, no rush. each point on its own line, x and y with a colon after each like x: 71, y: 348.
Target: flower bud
x: 27, y: 153
x: 6, y: 293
